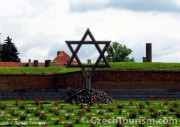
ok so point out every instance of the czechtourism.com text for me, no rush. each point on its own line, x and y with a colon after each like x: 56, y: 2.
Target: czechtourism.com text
x: 120, y: 120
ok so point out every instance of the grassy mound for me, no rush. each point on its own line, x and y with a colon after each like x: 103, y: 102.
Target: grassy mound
x: 114, y: 66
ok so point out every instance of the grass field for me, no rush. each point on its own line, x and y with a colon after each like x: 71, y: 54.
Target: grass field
x: 114, y: 66
x: 56, y: 113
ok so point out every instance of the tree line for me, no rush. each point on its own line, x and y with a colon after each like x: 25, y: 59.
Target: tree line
x: 119, y: 53
x: 116, y: 52
x: 8, y: 51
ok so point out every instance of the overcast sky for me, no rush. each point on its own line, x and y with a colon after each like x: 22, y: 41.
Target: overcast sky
x: 39, y: 28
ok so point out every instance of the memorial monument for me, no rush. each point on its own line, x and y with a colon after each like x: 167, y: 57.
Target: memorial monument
x: 88, y: 95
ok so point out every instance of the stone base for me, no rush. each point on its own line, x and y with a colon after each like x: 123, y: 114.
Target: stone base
x: 89, y: 97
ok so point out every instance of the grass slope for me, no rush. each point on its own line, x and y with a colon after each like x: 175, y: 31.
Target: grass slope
x: 114, y: 66
x: 145, y: 66
x: 37, y: 70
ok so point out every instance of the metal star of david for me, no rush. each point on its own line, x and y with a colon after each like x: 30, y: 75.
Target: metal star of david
x: 89, y: 74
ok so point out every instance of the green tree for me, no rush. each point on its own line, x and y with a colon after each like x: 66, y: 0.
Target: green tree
x: 119, y: 53
x: 9, y: 51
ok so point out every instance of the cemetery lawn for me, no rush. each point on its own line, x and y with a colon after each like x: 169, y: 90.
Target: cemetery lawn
x: 124, y: 66
x: 57, y: 113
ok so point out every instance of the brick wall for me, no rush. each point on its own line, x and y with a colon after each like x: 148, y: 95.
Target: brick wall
x: 22, y: 82
x: 10, y: 64
x: 100, y: 80
x: 137, y: 80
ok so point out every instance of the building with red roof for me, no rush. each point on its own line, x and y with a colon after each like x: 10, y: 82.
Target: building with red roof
x: 62, y: 59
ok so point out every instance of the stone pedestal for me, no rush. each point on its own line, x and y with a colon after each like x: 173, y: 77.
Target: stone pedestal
x: 29, y: 63
x: 35, y: 63
x: 88, y: 61
x: 144, y: 59
x: 149, y: 52
x: 47, y: 63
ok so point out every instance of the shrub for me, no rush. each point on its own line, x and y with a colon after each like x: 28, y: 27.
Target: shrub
x: 141, y: 112
x: 81, y: 106
x: 68, y: 116
x: 56, y: 112
x: 100, y: 112
x: 41, y: 106
x: 13, y: 112
x: 110, y: 109
x: 43, y: 116
x: 164, y: 112
x: 3, y: 106
x: 141, y: 105
x: 143, y: 122
x: 29, y: 110
x: 77, y: 120
x: 19, y: 125
x: 80, y: 113
x: 132, y: 114
x: 89, y: 116
x: 119, y: 123
x: 147, y: 102
x: 120, y: 111
x: 37, y: 112
x: 88, y: 109
x: 22, y: 106
x: 17, y: 100
x: 60, y: 118
x: 175, y: 105
x: 167, y: 125
x: 171, y: 109
x: 70, y: 110
x: 120, y: 106
x: 151, y: 109
x: 166, y: 101
x: 107, y: 116
x: 178, y: 114
x: 155, y: 114
x: 101, y: 119
x: 56, y: 122
x: 68, y: 124
x: 92, y: 125
x: 23, y: 116
x: 62, y: 106
x: 51, y: 109
x: 131, y: 101
x: 57, y: 102
x: 100, y: 106
x: 37, y: 101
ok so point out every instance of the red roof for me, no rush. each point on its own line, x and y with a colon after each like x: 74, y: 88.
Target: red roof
x: 62, y: 59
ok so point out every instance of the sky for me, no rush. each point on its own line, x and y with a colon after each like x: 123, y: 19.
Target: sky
x: 39, y: 28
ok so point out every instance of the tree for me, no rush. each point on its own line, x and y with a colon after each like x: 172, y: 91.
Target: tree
x: 9, y: 51
x: 119, y: 53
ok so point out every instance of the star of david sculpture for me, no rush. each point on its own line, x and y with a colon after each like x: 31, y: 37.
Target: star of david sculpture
x: 92, y: 67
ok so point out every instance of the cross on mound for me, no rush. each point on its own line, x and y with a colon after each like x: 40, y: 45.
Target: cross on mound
x: 88, y: 74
